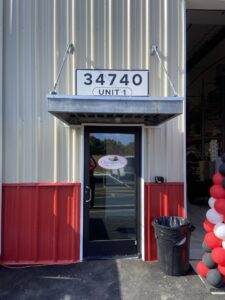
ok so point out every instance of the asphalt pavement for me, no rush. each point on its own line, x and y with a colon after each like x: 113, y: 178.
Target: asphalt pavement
x: 120, y: 279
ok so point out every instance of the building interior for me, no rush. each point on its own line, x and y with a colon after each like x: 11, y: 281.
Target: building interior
x: 205, y: 30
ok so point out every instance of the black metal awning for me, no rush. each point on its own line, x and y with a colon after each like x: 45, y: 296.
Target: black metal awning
x: 75, y: 110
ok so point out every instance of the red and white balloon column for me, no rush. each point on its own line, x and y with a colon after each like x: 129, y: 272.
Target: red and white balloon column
x: 212, y: 265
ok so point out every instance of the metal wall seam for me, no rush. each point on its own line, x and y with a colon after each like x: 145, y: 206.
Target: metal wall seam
x: 18, y: 89
x: 55, y: 72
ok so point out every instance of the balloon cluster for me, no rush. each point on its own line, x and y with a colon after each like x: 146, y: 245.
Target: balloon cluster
x: 212, y: 265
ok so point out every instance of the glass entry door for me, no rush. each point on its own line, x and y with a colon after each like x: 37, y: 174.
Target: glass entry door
x: 111, y: 190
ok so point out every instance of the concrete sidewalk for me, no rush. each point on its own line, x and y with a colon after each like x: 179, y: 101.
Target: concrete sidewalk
x: 122, y: 279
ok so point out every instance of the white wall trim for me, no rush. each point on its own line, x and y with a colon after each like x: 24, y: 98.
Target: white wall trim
x: 120, y: 125
x: 142, y: 203
x: 82, y: 194
x: 142, y: 196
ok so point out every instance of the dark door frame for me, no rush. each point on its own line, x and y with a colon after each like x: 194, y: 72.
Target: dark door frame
x: 137, y: 130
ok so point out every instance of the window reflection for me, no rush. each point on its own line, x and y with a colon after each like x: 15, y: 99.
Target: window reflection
x: 112, y: 210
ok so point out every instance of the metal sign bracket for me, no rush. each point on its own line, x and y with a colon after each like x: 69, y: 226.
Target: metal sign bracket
x: 154, y: 51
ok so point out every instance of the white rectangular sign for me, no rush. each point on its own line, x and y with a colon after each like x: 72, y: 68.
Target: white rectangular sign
x: 112, y: 82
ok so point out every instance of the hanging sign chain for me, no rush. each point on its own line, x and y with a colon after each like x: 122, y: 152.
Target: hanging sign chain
x: 155, y: 51
x: 69, y: 50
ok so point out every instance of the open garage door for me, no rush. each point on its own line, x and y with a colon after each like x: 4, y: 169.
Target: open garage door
x: 205, y: 107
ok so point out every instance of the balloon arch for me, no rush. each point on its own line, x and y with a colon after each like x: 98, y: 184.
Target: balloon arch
x: 212, y: 265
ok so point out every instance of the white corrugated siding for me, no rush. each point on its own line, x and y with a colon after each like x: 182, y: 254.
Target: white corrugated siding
x: 107, y: 34
x: 164, y: 146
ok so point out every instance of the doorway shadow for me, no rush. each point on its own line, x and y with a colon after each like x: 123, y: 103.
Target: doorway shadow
x: 97, y: 229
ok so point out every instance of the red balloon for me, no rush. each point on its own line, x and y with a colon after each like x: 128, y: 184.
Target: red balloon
x: 218, y: 256
x: 212, y: 241
x: 217, y: 178
x: 219, y: 206
x: 202, y: 269
x: 221, y: 269
x: 217, y: 191
x: 208, y: 226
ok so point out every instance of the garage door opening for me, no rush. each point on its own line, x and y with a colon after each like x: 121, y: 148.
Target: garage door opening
x: 205, y: 111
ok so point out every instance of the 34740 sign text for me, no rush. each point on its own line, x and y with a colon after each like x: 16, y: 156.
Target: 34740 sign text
x: 112, y: 82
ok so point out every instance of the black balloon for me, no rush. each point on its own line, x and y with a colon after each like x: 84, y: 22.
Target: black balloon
x: 205, y: 247
x: 214, y: 278
x: 223, y: 158
x: 207, y: 260
x: 222, y: 169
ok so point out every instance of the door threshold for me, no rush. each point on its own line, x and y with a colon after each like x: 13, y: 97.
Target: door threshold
x: 114, y: 257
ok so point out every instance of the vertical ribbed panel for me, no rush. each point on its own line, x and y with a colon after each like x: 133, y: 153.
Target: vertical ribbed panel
x: 164, y: 148
x: 41, y: 223
x: 107, y: 34
x: 166, y: 199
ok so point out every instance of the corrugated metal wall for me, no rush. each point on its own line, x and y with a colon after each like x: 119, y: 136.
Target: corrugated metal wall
x: 164, y: 146
x: 164, y: 149
x: 165, y: 199
x: 107, y: 34
x: 41, y: 223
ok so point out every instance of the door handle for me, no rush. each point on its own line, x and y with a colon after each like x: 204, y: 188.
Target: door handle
x: 88, y: 189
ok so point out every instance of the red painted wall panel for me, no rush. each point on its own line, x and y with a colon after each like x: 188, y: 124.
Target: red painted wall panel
x: 41, y: 223
x: 160, y: 200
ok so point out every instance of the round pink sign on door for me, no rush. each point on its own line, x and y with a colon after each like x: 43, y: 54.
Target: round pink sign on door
x: 112, y: 162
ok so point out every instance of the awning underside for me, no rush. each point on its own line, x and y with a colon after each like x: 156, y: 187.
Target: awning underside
x: 75, y: 110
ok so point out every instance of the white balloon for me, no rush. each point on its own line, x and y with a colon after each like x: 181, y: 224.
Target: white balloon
x: 211, y: 202
x: 219, y: 231
x: 213, y: 216
x: 223, y: 244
